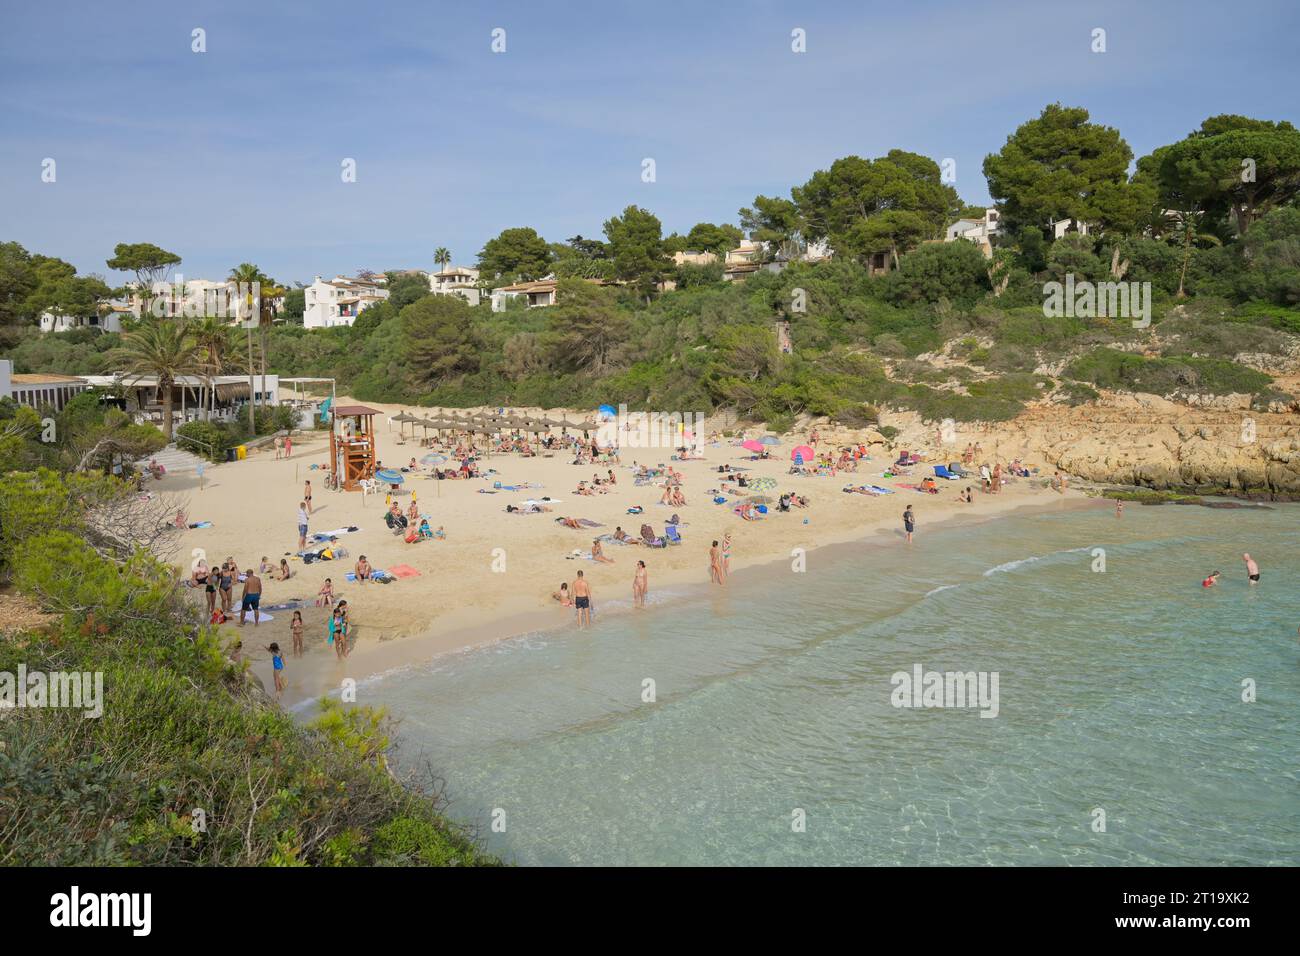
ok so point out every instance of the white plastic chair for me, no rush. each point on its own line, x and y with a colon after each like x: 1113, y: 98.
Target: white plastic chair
x: 369, y: 487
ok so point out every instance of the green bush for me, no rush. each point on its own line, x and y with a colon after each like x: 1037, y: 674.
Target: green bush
x: 1113, y: 369
x: 205, y: 438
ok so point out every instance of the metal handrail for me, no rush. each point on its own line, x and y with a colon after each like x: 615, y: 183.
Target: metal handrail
x: 210, y: 447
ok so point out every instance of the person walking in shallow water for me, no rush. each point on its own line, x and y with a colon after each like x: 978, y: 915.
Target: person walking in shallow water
x: 640, y: 585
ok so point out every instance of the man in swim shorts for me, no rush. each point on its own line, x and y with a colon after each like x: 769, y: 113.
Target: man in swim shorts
x: 250, y: 597
x: 582, y: 600
x: 909, y: 522
x: 1252, y: 569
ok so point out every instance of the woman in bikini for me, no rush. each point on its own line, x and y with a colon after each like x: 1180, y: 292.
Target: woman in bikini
x: 640, y: 585
x: 295, y: 628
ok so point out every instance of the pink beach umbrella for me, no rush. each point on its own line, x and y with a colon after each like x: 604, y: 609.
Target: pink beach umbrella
x: 753, y: 445
x: 803, y: 452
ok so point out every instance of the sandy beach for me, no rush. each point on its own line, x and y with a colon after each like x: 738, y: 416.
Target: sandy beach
x: 493, y: 576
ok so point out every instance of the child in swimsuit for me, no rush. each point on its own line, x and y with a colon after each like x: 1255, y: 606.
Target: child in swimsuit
x: 295, y: 628
x: 277, y: 662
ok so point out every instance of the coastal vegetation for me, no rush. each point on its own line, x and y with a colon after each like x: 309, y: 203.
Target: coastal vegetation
x: 896, y: 319
x: 190, y: 763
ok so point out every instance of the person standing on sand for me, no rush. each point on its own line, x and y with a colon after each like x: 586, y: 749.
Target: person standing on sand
x: 295, y: 629
x: 306, y: 496
x: 288, y: 447
x: 726, y: 555
x: 582, y: 600
x: 909, y: 522
x: 279, y: 447
x: 250, y: 597
x: 1252, y: 569
x: 640, y: 585
x: 302, y: 526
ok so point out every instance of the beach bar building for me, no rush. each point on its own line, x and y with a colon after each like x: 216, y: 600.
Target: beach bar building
x: 352, y: 444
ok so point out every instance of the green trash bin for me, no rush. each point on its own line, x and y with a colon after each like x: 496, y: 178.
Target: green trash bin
x: 230, y: 454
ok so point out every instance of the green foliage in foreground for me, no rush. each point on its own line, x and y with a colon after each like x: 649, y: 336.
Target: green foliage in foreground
x: 182, y: 730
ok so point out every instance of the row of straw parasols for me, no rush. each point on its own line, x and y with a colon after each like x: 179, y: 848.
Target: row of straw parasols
x: 489, y: 424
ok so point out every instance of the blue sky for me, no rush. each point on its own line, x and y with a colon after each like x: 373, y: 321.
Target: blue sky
x: 234, y: 154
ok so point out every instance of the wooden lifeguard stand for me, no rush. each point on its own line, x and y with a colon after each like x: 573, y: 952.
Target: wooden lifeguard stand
x: 352, y: 444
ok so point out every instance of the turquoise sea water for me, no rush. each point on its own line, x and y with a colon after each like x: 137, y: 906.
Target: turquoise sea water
x: 1118, y: 690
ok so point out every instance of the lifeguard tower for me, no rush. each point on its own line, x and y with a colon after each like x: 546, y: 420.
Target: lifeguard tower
x: 352, y: 444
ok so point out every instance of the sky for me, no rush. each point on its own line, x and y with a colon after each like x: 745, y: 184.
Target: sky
x: 235, y: 154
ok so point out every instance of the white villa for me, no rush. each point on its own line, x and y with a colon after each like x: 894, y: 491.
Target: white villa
x: 339, y: 301
x: 537, y: 294
x: 1062, y: 227
x: 979, y: 230
x: 108, y: 321
x: 457, y: 281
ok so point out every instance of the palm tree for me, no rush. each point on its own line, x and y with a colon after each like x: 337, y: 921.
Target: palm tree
x: 161, y: 348
x: 1187, y: 225
x: 442, y: 256
x: 250, y: 276
x: 212, y: 337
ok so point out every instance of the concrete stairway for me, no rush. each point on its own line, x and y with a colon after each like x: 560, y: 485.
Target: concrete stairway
x: 175, y: 459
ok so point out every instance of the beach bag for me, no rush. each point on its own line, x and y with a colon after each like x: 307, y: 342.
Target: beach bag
x: 218, y: 617
x: 413, y: 537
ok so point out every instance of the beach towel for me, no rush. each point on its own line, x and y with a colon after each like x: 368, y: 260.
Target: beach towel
x: 262, y: 617
x: 403, y: 571
x: 588, y: 523
x: 376, y: 574
x: 286, y: 605
x: 326, y: 535
x: 202, y: 524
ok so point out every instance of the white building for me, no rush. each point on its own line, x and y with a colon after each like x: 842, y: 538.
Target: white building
x: 456, y: 281
x: 39, y: 391
x: 109, y: 321
x: 339, y: 301
x: 1060, y: 228
x: 977, y: 229
x: 537, y: 294
x: 220, y: 398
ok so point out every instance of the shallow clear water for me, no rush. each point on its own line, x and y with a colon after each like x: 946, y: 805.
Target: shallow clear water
x: 1119, y: 690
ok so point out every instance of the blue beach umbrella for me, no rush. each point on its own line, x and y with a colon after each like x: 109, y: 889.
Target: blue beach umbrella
x: 608, y: 411
x: 770, y: 440
x: 389, y: 477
